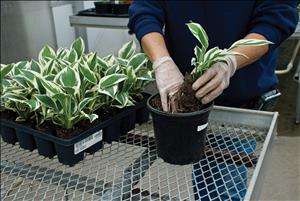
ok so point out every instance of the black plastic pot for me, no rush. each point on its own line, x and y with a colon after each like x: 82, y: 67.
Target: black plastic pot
x: 67, y: 156
x: 112, y: 132
x: 26, y: 140
x: 49, y: 145
x: 128, y: 122
x: 8, y: 134
x: 45, y: 147
x: 180, y: 137
x: 142, y: 112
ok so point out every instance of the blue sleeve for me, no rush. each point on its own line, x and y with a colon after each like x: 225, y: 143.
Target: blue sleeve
x: 275, y: 20
x: 145, y: 17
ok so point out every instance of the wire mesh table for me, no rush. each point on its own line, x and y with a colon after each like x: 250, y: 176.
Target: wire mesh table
x: 238, y: 142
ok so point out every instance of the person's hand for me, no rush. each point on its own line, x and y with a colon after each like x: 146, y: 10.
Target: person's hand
x: 212, y: 83
x: 168, y: 79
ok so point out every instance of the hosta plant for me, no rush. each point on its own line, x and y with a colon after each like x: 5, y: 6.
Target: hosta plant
x: 203, y: 60
x: 68, y: 86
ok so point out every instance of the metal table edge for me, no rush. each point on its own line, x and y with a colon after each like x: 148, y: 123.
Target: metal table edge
x: 98, y: 22
x: 253, y: 191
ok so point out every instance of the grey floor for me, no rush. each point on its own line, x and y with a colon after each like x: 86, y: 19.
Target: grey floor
x: 282, y: 181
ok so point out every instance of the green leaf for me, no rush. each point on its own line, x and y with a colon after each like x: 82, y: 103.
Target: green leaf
x: 131, y: 79
x: 33, y: 104
x: 87, y: 73
x: 122, y: 62
x: 146, y: 76
x: 91, y: 117
x: 46, y: 53
x: 123, y: 100
x: 103, y: 64
x: 68, y: 77
x: 22, y: 81
x: 111, y: 91
x: 92, y: 61
x: 111, y: 80
x: 199, y: 53
x: 49, y: 77
x: 112, y: 70
x: 127, y: 50
x: 61, y: 53
x: 137, y: 61
x: 78, y: 46
x: 14, y: 97
x: 86, y: 101
x: 46, y: 101
x: 198, y: 31
x: 50, y: 86
x: 35, y: 66
x: 72, y: 56
x: 249, y: 42
x: 18, y: 67
x: 5, y: 69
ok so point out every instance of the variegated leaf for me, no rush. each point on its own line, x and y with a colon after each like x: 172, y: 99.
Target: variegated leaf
x: 51, y: 87
x: 127, y: 50
x: 250, y: 42
x: 102, y: 64
x: 5, y: 70
x: 46, y: 101
x: 137, y: 61
x: 78, y: 46
x: 47, y: 53
x: 32, y: 104
x: 111, y: 80
x: 111, y: 91
x: 198, y: 31
x: 87, y: 73
x: 35, y: 66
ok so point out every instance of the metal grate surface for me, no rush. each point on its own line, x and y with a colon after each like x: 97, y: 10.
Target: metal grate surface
x: 130, y: 170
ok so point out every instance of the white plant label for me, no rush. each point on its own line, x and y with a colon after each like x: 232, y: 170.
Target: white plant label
x: 87, y: 142
x: 202, y: 127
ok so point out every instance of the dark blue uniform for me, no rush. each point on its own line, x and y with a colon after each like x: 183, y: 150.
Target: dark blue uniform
x: 225, y: 23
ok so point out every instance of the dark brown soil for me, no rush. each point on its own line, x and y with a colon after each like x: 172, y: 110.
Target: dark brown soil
x: 185, y: 98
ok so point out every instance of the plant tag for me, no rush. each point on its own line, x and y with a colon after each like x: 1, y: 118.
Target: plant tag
x: 87, y: 142
x: 202, y: 127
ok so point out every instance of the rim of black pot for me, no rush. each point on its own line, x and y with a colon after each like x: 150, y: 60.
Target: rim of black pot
x: 209, y: 107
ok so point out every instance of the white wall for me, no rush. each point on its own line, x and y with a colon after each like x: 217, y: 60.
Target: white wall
x: 25, y: 27
x: 65, y: 34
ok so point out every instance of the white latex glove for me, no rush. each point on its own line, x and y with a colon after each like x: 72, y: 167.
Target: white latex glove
x: 168, y: 79
x: 212, y: 83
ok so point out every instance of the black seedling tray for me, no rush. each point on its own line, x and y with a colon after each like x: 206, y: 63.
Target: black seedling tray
x: 71, y: 151
x: 92, y: 12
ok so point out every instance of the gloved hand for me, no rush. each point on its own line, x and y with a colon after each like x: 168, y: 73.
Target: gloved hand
x: 168, y: 79
x: 212, y: 83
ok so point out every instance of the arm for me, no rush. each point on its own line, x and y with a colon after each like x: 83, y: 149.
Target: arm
x: 154, y: 46
x: 271, y: 21
x: 253, y: 52
x: 146, y: 21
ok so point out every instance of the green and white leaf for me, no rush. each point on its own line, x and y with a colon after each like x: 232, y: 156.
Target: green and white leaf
x: 249, y: 42
x: 46, y: 53
x: 87, y: 73
x: 78, y: 46
x: 127, y: 50
x: 137, y: 61
x: 198, y: 31
x: 111, y: 80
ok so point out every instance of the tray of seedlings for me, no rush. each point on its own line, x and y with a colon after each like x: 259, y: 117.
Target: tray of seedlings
x: 69, y: 102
